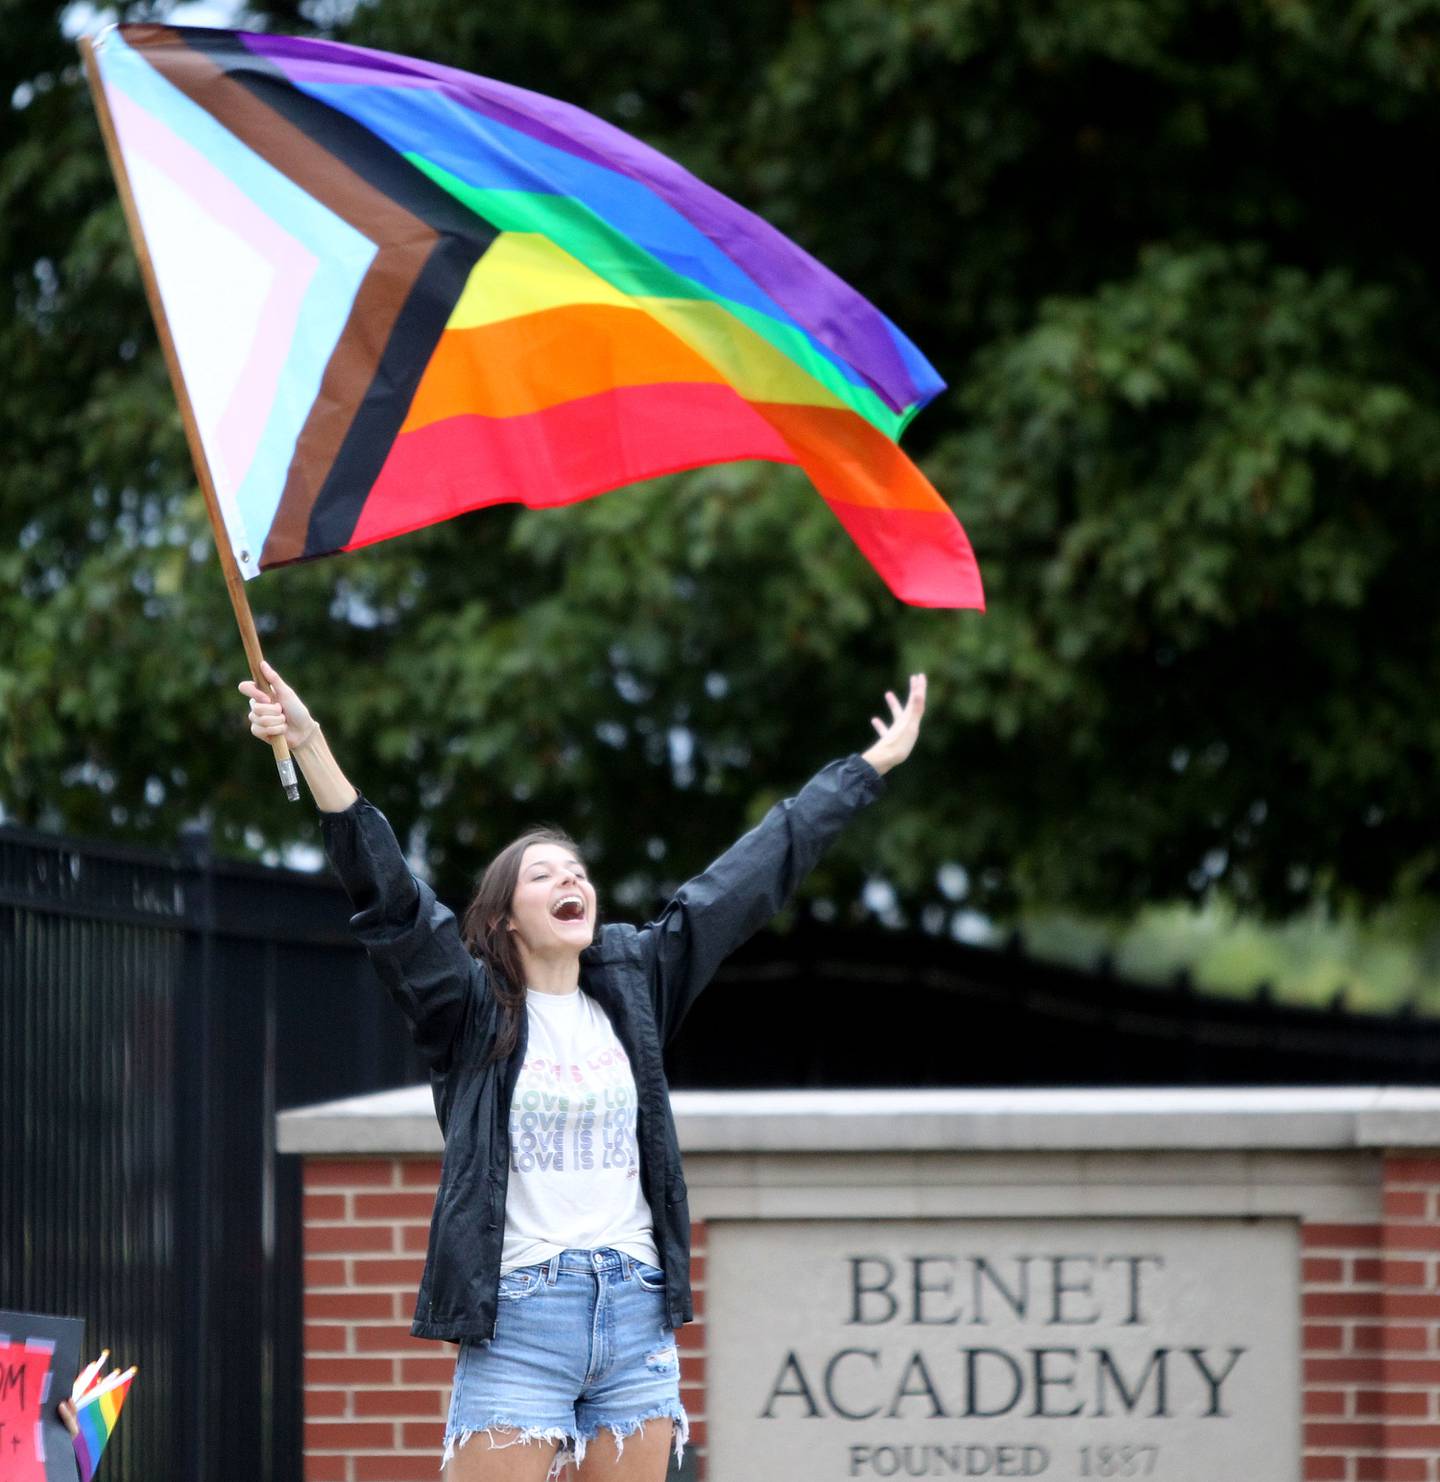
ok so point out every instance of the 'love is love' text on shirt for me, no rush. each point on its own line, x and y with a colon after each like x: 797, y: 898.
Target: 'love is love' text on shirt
x: 574, y: 1164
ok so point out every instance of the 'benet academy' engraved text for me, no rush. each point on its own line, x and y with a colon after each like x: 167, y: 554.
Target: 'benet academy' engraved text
x: 1055, y: 1295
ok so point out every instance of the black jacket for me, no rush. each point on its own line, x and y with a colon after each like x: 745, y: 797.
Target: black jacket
x: 644, y: 978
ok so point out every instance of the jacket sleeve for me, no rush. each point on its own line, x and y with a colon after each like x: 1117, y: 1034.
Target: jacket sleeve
x: 412, y: 940
x: 715, y: 912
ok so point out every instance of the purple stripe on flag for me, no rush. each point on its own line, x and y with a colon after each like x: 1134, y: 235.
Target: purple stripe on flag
x: 83, y: 1459
x: 822, y: 303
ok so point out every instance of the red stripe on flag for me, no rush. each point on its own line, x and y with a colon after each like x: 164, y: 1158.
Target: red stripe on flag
x: 892, y: 511
x: 561, y: 454
x: 923, y: 555
x: 584, y: 447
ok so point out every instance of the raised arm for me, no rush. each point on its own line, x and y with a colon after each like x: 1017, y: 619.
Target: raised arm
x: 412, y: 940
x: 711, y: 915
x: 897, y: 737
x: 287, y: 715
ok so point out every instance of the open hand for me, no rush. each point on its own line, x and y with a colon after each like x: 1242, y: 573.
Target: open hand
x: 897, y: 740
x: 286, y: 715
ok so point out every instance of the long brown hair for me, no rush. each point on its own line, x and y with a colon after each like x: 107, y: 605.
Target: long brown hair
x: 484, y: 930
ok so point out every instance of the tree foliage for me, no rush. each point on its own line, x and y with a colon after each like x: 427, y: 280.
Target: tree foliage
x: 1170, y: 256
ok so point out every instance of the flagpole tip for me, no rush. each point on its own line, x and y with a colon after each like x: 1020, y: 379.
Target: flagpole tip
x: 286, y: 768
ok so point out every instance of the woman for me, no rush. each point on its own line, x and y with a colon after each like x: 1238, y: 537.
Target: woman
x: 559, y: 1247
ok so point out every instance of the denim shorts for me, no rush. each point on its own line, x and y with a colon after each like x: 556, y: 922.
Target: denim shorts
x: 580, y: 1343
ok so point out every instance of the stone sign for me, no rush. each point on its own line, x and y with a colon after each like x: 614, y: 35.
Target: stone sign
x: 1056, y: 1349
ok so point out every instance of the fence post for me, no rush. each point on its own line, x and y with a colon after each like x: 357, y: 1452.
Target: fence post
x: 199, y: 1071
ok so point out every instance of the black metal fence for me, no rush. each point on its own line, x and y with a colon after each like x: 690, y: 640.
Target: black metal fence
x: 155, y: 1012
x: 879, y: 1009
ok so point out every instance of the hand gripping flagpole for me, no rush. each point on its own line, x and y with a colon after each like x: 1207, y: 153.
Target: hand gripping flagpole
x: 234, y: 582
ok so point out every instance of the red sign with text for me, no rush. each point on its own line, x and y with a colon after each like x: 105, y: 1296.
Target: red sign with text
x: 25, y: 1381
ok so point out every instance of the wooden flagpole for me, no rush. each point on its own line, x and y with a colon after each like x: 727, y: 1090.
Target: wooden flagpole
x: 234, y: 581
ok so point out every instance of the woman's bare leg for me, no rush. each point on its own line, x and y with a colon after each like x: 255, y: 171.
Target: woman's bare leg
x: 644, y: 1457
x: 496, y: 1456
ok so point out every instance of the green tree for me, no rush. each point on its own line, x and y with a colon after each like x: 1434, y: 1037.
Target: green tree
x: 1170, y: 257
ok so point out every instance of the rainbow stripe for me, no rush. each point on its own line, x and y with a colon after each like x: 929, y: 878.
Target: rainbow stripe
x: 399, y: 292
x: 96, y: 1420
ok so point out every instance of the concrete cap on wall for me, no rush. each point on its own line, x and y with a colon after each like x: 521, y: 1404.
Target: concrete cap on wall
x: 1274, y: 1118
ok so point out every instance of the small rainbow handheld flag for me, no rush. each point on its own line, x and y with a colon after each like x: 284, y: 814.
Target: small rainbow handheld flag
x: 97, y: 1405
x: 398, y: 292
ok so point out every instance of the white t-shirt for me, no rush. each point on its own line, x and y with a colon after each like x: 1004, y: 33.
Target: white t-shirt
x: 574, y: 1161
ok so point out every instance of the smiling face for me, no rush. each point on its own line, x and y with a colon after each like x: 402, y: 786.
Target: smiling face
x: 552, y: 911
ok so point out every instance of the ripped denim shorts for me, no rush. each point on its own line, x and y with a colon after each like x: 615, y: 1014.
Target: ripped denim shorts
x: 580, y: 1344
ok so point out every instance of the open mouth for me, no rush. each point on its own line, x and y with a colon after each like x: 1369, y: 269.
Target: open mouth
x: 568, y: 908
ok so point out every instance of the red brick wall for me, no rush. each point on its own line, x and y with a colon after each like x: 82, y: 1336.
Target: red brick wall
x: 691, y: 1342
x: 376, y: 1398
x: 1371, y: 1336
